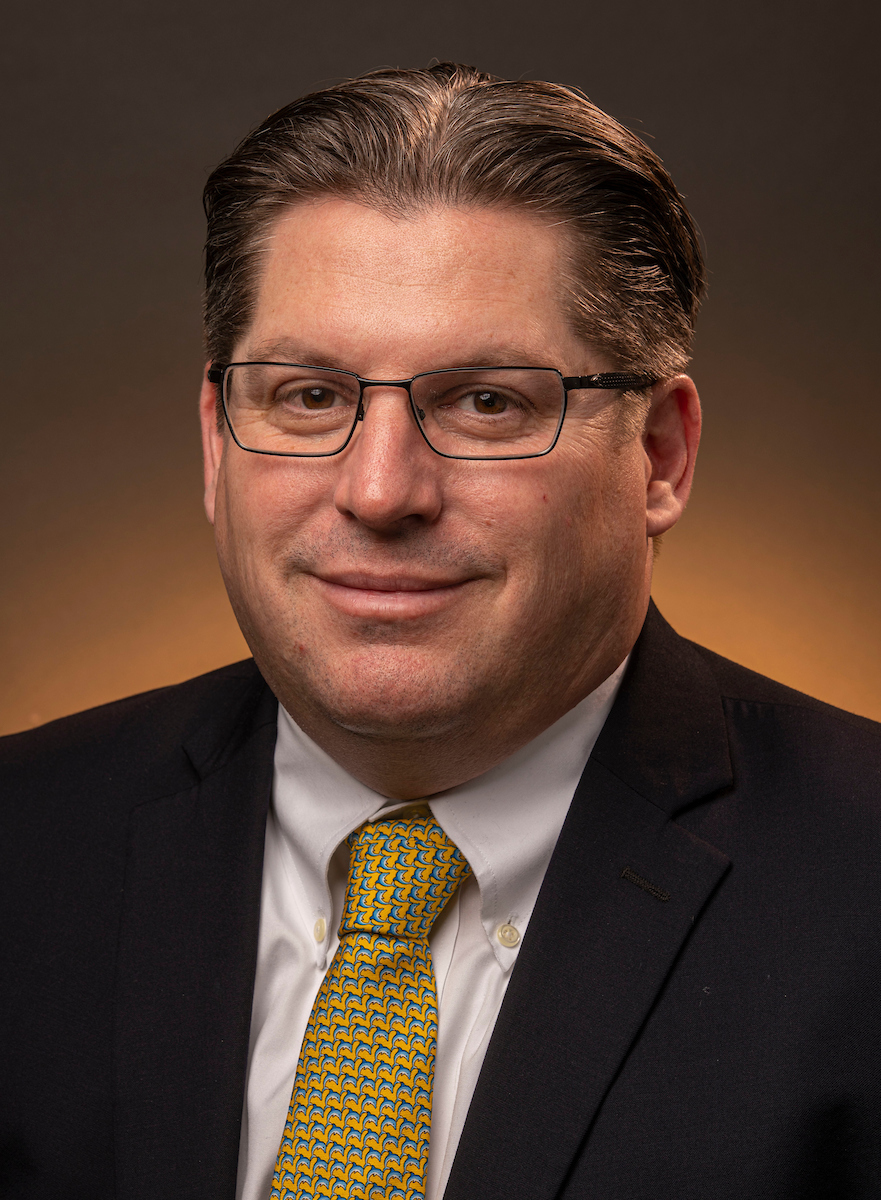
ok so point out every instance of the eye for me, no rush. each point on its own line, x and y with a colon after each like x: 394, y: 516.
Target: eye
x: 318, y: 397
x: 313, y: 397
x: 487, y: 403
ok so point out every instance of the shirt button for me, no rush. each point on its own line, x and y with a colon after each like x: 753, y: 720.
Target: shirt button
x: 319, y: 929
x: 508, y: 935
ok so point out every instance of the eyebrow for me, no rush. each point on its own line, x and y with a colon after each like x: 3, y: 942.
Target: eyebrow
x: 289, y: 351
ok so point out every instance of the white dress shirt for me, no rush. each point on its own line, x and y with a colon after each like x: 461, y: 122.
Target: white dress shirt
x: 506, y: 823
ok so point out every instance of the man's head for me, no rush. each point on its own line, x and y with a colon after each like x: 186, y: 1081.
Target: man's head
x: 423, y: 616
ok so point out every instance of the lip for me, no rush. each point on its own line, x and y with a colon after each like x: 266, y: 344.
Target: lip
x: 392, y: 596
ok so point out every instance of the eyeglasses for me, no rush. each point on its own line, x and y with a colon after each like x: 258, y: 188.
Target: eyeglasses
x: 300, y: 411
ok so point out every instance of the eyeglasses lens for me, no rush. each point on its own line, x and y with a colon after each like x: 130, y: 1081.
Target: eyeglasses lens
x: 493, y: 413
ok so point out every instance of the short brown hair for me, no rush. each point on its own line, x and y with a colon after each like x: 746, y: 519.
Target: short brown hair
x: 405, y: 140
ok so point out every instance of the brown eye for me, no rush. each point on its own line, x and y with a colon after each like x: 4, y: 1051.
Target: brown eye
x: 490, y: 404
x: 318, y: 398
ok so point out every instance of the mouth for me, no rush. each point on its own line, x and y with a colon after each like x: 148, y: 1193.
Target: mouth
x: 390, y: 596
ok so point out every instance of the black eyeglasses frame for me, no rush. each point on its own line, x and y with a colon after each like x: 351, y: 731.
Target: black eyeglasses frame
x: 605, y: 381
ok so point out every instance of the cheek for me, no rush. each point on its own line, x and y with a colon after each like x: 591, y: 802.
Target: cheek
x: 588, y: 524
x: 261, y: 505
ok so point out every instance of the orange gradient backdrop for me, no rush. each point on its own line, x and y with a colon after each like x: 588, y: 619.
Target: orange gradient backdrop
x: 766, y: 120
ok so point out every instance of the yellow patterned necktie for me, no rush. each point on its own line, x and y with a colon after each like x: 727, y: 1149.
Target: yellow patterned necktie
x: 360, y: 1114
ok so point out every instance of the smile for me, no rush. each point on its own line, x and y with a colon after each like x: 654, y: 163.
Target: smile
x: 389, y: 597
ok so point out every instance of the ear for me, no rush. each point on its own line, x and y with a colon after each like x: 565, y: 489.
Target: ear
x: 212, y: 441
x: 670, y: 440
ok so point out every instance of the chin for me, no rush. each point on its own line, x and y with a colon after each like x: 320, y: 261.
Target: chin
x: 408, y: 727
x: 388, y: 697
x: 399, y: 703
x: 392, y: 714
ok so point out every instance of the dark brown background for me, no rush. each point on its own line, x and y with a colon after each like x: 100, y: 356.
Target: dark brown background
x: 767, y: 116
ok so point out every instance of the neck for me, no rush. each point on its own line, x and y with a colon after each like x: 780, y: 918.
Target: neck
x: 410, y: 765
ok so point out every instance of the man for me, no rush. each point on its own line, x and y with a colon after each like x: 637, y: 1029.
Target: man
x: 498, y: 888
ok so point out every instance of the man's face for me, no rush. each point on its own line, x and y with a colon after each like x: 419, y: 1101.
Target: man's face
x: 391, y: 594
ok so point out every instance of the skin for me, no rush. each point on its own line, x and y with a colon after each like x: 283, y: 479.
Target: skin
x: 423, y: 618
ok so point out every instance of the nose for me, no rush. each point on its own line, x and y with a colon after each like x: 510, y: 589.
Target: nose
x: 388, y: 475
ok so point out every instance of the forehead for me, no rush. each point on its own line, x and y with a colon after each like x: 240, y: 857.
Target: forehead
x: 442, y: 287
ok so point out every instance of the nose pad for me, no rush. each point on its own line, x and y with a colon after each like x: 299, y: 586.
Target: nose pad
x: 416, y: 413
x: 413, y: 409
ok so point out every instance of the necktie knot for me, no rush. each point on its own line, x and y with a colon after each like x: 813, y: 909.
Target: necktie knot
x: 402, y: 872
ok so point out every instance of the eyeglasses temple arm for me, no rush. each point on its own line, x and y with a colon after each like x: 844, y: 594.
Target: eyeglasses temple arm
x: 609, y: 380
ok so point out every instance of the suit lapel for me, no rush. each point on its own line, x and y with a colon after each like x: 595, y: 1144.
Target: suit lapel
x: 622, y: 892
x: 188, y: 945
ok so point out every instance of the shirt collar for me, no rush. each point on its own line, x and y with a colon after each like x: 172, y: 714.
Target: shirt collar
x: 506, y: 821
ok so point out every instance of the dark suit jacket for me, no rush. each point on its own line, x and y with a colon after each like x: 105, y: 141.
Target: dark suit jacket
x: 695, y: 1008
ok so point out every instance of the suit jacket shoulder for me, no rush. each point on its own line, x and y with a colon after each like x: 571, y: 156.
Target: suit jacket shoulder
x: 739, y: 683
x: 141, y: 736
x: 689, y: 721
x: 129, y: 890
